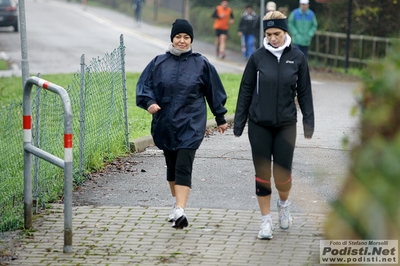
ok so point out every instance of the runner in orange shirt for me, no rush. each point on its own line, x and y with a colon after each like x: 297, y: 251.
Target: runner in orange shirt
x: 84, y: 4
x: 223, y: 18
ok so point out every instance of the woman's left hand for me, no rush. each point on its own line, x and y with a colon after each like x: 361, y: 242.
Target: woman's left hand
x: 154, y: 108
x: 222, y: 128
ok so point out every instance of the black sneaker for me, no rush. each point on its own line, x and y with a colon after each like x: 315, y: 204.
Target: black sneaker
x: 180, y: 220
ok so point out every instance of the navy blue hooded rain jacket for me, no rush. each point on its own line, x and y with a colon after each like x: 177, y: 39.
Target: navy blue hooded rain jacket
x: 180, y: 85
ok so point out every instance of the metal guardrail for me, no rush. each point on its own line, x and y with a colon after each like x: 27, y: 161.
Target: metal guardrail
x: 30, y: 149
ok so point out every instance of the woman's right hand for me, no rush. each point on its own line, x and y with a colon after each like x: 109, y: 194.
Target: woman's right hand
x: 154, y: 108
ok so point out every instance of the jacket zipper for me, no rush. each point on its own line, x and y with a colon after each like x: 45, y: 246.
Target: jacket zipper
x: 175, y: 92
x: 277, y: 91
x: 258, y: 82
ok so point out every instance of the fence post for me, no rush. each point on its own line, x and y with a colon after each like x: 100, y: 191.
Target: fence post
x: 360, y: 43
x: 374, y: 48
x: 122, y: 47
x: 30, y: 149
x: 36, y: 141
x: 336, y: 50
x: 82, y: 117
x: 326, y: 48
x: 387, y: 46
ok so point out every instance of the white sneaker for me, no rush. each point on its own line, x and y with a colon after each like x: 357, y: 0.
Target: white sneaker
x: 171, y: 214
x: 266, y: 230
x: 180, y: 220
x: 285, y: 219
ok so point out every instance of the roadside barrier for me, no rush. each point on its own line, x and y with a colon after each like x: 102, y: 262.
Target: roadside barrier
x: 30, y: 149
x: 98, y: 95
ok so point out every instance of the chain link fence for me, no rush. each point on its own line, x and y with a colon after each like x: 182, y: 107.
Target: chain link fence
x: 100, y: 133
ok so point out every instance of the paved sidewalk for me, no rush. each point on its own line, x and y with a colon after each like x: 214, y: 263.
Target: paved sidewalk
x: 111, y: 235
x: 125, y: 222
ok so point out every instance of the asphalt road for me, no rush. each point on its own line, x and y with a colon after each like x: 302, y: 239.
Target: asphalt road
x: 223, y: 175
x: 59, y: 33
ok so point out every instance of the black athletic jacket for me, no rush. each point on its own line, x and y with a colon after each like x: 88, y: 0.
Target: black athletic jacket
x: 268, y: 90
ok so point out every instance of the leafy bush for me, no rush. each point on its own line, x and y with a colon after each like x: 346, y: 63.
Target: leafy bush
x: 368, y: 207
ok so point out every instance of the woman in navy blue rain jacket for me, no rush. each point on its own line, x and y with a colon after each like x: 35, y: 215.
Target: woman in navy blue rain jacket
x: 274, y: 76
x: 174, y: 88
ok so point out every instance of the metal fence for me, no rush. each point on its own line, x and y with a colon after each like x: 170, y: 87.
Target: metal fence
x: 100, y: 130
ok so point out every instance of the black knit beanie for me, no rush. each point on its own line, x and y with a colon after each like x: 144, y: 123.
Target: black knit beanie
x: 181, y: 26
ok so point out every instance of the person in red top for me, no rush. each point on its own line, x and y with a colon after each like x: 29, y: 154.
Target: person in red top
x: 223, y: 18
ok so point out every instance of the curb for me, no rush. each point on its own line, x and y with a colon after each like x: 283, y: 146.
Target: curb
x: 140, y: 144
x: 13, y: 69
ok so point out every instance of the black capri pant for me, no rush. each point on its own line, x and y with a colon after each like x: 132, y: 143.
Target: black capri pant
x: 272, y: 144
x: 180, y: 166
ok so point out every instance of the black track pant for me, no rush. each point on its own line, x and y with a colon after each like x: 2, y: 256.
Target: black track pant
x: 179, y: 166
x: 272, y: 144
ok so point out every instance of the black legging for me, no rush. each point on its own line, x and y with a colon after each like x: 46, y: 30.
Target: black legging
x: 179, y: 166
x: 272, y: 143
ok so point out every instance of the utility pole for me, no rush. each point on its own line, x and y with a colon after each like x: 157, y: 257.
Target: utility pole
x: 24, y: 46
x: 155, y: 13
x: 186, y: 9
x: 262, y: 11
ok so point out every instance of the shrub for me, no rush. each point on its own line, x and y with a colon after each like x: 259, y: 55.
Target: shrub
x: 368, y: 207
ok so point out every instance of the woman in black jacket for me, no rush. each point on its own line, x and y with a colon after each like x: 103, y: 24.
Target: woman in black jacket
x: 274, y: 76
x: 173, y: 88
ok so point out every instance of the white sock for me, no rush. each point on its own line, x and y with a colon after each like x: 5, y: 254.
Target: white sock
x: 283, y: 202
x: 179, y: 208
x: 265, y: 217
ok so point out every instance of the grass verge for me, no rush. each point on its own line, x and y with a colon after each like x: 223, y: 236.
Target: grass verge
x: 3, y: 65
x: 139, y: 119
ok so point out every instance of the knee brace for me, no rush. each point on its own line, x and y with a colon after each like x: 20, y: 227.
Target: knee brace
x: 263, y: 187
x: 284, y: 186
